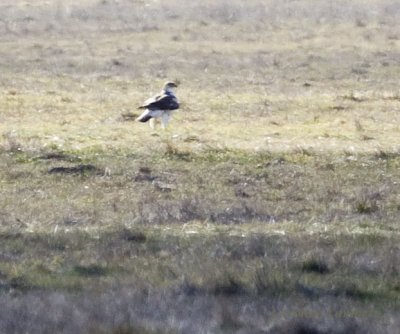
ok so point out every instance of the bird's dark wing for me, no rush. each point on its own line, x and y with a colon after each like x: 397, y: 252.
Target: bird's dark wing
x: 150, y: 101
x: 162, y: 102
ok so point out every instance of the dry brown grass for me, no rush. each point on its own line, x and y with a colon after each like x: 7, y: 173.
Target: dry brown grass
x: 271, y: 203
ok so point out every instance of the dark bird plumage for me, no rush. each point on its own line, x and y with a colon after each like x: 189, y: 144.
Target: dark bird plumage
x: 160, y: 105
x: 167, y: 101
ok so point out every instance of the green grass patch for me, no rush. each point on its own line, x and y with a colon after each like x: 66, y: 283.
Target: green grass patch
x: 275, y: 187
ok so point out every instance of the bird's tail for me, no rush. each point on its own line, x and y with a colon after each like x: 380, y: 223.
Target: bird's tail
x: 144, y: 117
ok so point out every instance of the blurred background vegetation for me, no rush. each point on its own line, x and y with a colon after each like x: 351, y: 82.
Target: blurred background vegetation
x: 270, y: 204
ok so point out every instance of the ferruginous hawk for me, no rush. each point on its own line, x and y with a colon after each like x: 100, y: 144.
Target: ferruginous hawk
x: 160, y: 106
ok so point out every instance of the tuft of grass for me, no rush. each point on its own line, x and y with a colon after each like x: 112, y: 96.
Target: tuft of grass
x: 90, y: 270
x: 273, y: 282
x: 230, y: 286
x: 366, y: 207
x: 174, y: 152
x: 79, y: 169
x: 315, y: 266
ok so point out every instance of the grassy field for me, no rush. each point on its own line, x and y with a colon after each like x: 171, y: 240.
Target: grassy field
x: 270, y: 205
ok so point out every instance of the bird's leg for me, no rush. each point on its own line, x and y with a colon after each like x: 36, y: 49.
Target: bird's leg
x: 165, y: 119
x: 152, y: 123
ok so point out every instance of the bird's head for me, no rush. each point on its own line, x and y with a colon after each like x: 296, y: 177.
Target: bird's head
x: 169, y: 86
